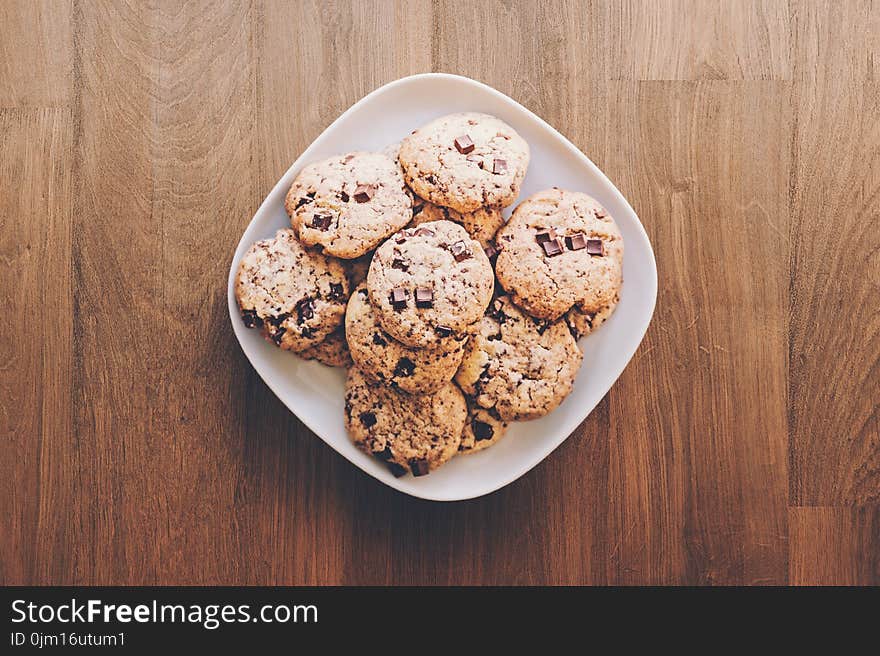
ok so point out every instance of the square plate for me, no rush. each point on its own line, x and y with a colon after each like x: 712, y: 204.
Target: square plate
x: 314, y: 393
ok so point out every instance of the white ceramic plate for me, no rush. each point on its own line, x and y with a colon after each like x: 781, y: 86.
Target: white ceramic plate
x: 315, y: 393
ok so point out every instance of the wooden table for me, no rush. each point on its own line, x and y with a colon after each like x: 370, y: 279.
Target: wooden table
x: 740, y: 446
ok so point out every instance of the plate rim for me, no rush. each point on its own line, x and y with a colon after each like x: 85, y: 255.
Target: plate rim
x: 566, y: 430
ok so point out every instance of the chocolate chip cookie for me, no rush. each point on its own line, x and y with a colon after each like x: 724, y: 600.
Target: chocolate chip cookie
x: 411, y: 433
x: 582, y: 322
x: 520, y: 366
x: 481, y: 224
x: 482, y: 428
x: 332, y: 351
x: 295, y: 295
x: 560, y: 249
x: 382, y: 358
x: 465, y: 161
x: 429, y: 285
x: 349, y: 203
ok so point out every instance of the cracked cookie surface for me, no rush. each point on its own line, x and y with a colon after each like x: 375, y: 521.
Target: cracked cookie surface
x: 295, y: 295
x: 465, y: 161
x: 382, y: 358
x: 481, y: 224
x: 411, y: 433
x: 332, y: 351
x: 429, y: 285
x: 348, y: 204
x: 560, y: 249
x: 520, y: 366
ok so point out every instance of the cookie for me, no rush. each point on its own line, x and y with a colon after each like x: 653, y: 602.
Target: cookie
x: 465, y: 161
x: 384, y: 359
x: 481, y: 224
x: 411, y: 433
x: 521, y: 367
x: 332, y: 351
x: 582, y: 322
x: 560, y: 249
x: 357, y: 269
x: 296, y: 295
x: 430, y: 284
x: 349, y: 203
x: 482, y: 428
x: 392, y: 152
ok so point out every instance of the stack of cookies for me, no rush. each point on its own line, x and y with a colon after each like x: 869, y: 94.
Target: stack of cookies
x: 452, y: 323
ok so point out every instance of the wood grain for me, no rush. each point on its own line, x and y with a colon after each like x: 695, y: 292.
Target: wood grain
x: 740, y: 446
x: 835, y: 546
x: 37, y: 470
x: 36, y: 54
x: 699, y: 40
x: 719, y: 483
x: 834, y: 350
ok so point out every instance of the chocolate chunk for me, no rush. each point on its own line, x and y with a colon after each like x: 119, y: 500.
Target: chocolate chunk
x: 250, y: 318
x: 378, y: 340
x: 405, y: 368
x: 545, y: 235
x: 491, y: 251
x: 321, y: 221
x: 499, y: 166
x: 363, y: 193
x: 482, y: 430
x: 306, y: 332
x: 398, y: 298
x: 396, y: 469
x: 277, y: 335
x: 497, y: 312
x: 343, y: 196
x: 460, y: 251
x: 464, y: 144
x: 385, y: 454
x: 368, y: 419
x: 278, y: 319
x: 401, y: 236
x: 595, y: 247
x: 302, y: 201
x: 424, y: 232
x: 601, y: 214
x: 476, y: 159
x: 399, y: 264
x: 337, y: 291
x: 305, y: 309
x: 443, y: 331
x: 575, y: 242
x: 552, y: 247
x: 424, y: 297
x: 419, y: 466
